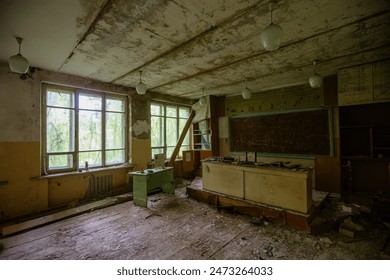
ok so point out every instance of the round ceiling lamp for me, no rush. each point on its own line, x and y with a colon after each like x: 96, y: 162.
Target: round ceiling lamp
x: 140, y: 86
x: 315, y: 80
x: 271, y: 37
x: 246, y: 93
x: 18, y: 63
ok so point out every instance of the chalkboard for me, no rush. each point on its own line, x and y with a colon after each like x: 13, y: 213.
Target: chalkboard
x: 304, y: 133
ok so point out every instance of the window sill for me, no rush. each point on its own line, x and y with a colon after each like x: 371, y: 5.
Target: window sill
x: 83, y: 172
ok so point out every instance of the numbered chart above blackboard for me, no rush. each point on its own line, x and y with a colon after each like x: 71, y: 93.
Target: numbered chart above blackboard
x: 303, y: 133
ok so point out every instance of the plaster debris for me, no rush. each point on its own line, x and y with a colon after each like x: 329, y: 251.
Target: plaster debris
x: 326, y: 240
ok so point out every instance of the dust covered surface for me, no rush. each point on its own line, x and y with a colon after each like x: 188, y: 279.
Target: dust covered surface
x: 178, y: 227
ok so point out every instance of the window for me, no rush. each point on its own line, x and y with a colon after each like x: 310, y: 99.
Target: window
x: 167, y: 123
x: 82, y: 129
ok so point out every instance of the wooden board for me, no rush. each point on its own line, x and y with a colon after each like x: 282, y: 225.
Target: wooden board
x: 304, y: 132
x: 8, y: 230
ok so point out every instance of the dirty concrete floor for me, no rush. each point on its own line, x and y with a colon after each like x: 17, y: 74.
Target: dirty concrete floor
x: 178, y: 227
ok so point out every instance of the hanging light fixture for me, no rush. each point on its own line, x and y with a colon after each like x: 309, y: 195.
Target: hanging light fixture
x: 246, y: 93
x: 18, y: 63
x: 315, y: 80
x: 203, y: 100
x: 271, y: 37
x: 140, y: 86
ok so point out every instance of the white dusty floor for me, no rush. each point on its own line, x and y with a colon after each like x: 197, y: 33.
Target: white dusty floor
x: 177, y: 227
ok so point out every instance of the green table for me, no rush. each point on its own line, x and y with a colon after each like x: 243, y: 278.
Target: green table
x: 150, y: 180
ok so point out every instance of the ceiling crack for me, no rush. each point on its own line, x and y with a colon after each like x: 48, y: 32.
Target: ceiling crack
x: 91, y: 28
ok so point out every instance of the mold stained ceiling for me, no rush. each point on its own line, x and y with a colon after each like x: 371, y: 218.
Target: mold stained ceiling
x: 184, y: 46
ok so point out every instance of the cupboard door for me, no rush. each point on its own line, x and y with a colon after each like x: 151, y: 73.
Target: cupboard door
x: 222, y: 179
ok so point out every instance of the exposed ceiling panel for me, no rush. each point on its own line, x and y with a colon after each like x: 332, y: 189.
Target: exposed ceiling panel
x: 183, y: 46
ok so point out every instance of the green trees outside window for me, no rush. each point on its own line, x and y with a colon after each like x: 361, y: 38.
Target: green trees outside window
x: 82, y: 127
x: 167, y: 123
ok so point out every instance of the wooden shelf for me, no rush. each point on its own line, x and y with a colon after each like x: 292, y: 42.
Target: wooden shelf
x: 202, y: 135
x: 365, y: 147
x: 365, y: 131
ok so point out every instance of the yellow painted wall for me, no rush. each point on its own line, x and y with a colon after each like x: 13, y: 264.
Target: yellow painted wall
x: 71, y: 189
x: 141, y: 153
x: 20, y: 149
x: 19, y: 161
x: 67, y: 189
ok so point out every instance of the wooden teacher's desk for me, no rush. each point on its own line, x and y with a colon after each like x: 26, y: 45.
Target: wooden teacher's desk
x: 150, y: 180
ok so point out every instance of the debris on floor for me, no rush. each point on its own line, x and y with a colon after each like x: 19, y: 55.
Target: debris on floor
x: 153, y: 214
x: 268, y: 250
x: 259, y: 221
x: 196, y: 230
x: 350, y: 228
x: 386, y: 245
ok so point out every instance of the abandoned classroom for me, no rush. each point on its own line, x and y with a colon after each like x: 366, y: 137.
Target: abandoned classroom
x: 195, y: 129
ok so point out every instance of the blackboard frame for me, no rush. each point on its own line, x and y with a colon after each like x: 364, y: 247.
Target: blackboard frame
x: 296, y: 132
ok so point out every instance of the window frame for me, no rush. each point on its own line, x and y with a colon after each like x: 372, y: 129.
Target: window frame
x: 164, y: 116
x: 76, y: 149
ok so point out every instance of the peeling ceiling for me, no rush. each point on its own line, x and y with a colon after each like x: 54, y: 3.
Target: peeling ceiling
x: 185, y: 46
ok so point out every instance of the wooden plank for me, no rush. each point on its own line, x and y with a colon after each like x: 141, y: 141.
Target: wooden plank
x: 181, y: 139
x: 12, y: 229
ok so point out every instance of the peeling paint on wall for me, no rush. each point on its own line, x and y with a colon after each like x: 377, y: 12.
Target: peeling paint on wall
x: 140, y: 127
x: 19, y: 114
